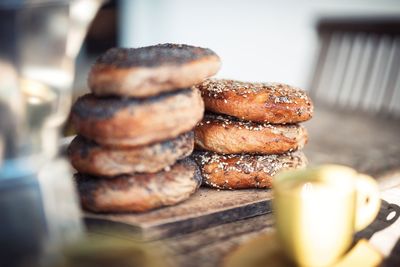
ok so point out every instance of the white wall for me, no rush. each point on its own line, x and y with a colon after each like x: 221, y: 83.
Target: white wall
x: 257, y: 40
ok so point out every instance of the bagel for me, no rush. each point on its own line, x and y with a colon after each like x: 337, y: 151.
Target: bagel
x: 228, y: 135
x: 259, y: 102
x: 139, y: 192
x: 88, y: 157
x: 239, y: 171
x: 117, y: 122
x: 148, y: 71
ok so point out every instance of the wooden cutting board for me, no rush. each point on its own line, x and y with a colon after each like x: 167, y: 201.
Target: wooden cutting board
x: 208, y: 207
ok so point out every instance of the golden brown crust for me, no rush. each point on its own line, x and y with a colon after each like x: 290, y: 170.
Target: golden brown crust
x: 139, y: 192
x: 237, y: 171
x: 88, y: 157
x: 259, y: 102
x: 228, y: 135
x: 148, y: 71
x: 135, y: 122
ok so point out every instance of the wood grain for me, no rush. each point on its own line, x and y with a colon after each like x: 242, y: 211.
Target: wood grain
x: 207, y: 208
x: 367, y: 144
x: 370, y: 144
x: 208, y: 247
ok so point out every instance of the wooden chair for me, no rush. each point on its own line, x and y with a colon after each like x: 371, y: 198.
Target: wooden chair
x: 356, y: 90
x: 358, y: 66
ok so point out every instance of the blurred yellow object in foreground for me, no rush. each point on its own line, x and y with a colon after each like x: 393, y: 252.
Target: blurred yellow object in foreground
x: 265, y: 250
x: 362, y: 254
x: 317, y: 211
x: 99, y: 250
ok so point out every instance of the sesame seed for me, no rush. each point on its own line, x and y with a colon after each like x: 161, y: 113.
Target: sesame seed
x: 247, y: 164
x: 280, y: 93
x: 229, y: 122
x: 167, y: 169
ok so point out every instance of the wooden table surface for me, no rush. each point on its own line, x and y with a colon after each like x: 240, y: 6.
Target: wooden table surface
x: 206, y: 248
x: 368, y: 144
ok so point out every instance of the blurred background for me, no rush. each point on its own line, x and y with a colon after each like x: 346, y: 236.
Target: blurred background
x: 257, y: 40
x: 345, y: 53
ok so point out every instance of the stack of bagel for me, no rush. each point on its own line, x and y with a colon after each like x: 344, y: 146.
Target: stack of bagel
x: 135, y: 127
x: 250, y: 132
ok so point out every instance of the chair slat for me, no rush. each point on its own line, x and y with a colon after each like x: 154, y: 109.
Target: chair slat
x: 393, y: 76
x: 382, y: 89
x: 359, y: 80
x: 353, y: 71
x: 329, y: 67
x: 379, y: 66
x: 343, y: 69
x: 358, y: 67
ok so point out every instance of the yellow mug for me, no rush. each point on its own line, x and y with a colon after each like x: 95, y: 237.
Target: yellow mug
x: 318, y: 210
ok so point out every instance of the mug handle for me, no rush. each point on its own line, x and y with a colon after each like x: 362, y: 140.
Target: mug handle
x: 368, y: 201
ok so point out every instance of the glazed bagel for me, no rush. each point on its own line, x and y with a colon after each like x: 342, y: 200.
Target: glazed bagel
x: 259, y: 102
x: 245, y: 171
x: 88, y: 157
x: 120, y: 122
x: 147, y: 71
x: 228, y: 135
x: 139, y: 192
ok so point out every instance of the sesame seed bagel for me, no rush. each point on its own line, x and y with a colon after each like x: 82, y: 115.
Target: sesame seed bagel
x: 139, y: 192
x: 148, y: 71
x: 117, y: 122
x: 237, y: 171
x: 259, y: 102
x: 87, y: 156
x: 228, y: 135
